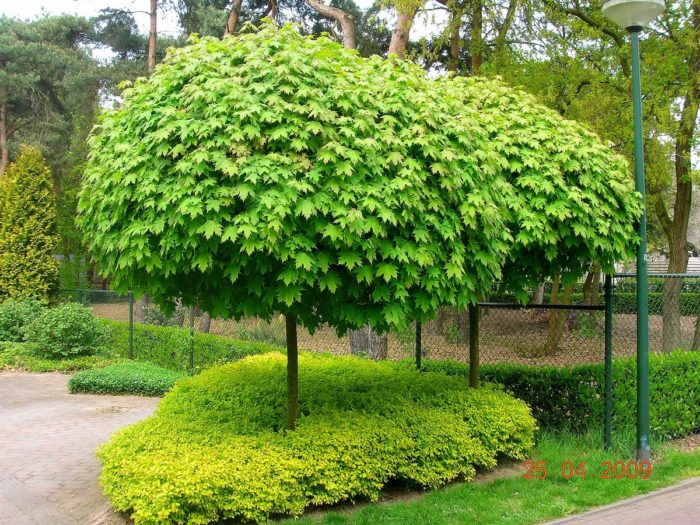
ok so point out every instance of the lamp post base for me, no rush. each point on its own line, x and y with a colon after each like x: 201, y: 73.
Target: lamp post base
x: 643, y: 454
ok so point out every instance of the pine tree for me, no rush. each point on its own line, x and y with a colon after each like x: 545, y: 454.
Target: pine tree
x: 28, y: 232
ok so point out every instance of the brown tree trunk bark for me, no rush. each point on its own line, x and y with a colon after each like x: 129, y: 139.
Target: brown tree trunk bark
x: 4, y: 147
x: 677, y: 229
x: 557, y: 319
x: 538, y: 295
x: 205, y: 323
x: 366, y: 341
x: 399, y: 38
x: 453, y: 62
x: 477, y: 44
x: 140, y: 307
x: 343, y: 19
x: 696, y: 336
x: 232, y: 22
x: 292, y: 371
x: 500, y: 45
x: 152, y: 35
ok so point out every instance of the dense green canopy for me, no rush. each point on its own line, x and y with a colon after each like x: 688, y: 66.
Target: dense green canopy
x: 272, y: 172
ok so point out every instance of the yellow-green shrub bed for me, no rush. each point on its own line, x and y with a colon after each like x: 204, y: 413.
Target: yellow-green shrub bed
x: 216, y: 447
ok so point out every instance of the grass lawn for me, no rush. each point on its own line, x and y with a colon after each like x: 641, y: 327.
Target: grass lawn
x: 514, y: 500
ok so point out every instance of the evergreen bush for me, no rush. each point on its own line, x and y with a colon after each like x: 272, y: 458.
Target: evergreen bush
x: 28, y: 231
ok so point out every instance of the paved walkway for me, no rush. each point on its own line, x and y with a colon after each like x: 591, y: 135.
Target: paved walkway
x: 675, y: 505
x: 48, y: 469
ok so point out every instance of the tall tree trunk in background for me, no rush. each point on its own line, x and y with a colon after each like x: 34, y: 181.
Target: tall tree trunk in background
x: 152, y: 35
x: 290, y: 322
x: 273, y: 9
x: 557, y: 318
x: 205, y: 323
x: 232, y: 22
x: 399, y: 38
x: 696, y: 336
x: 366, y: 341
x: 676, y: 229
x: 477, y: 38
x: 500, y: 45
x: 343, y: 19
x: 591, y: 287
x: 453, y: 62
x: 4, y: 147
x: 538, y: 295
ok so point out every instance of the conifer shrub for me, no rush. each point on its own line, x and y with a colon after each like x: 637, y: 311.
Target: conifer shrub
x: 28, y: 230
x: 216, y: 448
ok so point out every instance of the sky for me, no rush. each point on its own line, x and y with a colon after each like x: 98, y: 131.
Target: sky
x: 28, y: 9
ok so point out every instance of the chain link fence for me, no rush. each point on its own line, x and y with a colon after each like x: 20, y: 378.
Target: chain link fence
x: 543, y: 334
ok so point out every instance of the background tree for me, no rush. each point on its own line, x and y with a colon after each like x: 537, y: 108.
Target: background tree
x: 28, y: 234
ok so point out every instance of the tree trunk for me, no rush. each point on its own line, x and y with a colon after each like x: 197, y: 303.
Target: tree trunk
x: 477, y: 44
x: 500, y: 44
x: 152, y: 35
x: 140, y: 307
x: 696, y: 335
x: 4, y: 147
x: 366, y: 341
x: 205, y: 324
x: 591, y: 287
x: 292, y: 371
x: 232, y: 22
x: 453, y: 62
x: 399, y: 38
x: 343, y: 19
x: 557, y: 318
x: 538, y: 295
x: 677, y: 229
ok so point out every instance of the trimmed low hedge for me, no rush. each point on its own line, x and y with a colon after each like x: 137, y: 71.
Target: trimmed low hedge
x: 141, y: 379
x: 216, y: 449
x: 170, y: 347
x: 24, y: 357
x: 571, y: 399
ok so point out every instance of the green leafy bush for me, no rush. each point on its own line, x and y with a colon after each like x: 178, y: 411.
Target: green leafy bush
x: 171, y: 347
x: 216, y: 449
x: 572, y: 398
x: 14, y: 315
x: 67, y: 330
x: 143, y: 379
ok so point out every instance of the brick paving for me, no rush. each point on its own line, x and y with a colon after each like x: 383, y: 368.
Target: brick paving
x: 48, y: 469
x: 676, y: 505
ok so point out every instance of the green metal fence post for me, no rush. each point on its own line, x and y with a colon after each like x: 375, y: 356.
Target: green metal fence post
x: 191, y: 326
x: 419, y: 345
x: 131, y: 324
x: 474, y: 345
x: 608, y: 361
